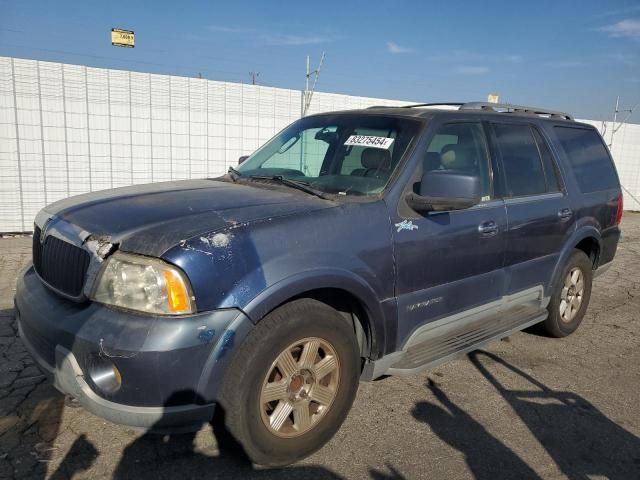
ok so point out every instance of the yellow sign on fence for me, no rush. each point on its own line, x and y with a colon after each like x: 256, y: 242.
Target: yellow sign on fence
x: 122, y: 38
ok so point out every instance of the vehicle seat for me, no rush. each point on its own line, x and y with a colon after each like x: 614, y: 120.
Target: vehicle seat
x: 376, y: 163
x: 456, y: 157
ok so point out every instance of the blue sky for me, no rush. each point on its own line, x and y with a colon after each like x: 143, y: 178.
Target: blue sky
x: 568, y: 55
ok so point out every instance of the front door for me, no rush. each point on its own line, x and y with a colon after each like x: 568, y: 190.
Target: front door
x: 449, y: 262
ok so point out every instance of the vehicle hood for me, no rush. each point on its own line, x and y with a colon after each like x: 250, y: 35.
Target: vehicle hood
x: 149, y: 219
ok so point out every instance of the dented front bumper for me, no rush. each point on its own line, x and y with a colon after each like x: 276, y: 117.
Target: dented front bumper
x: 170, y: 367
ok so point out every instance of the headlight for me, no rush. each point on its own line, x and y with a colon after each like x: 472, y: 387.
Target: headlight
x: 144, y: 284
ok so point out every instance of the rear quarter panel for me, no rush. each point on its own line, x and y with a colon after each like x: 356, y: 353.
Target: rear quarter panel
x: 594, y: 212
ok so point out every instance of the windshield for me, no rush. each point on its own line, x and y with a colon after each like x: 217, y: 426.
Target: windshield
x: 340, y: 154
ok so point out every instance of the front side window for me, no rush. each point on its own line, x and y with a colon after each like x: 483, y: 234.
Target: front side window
x: 523, y: 169
x: 336, y: 153
x: 460, y: 148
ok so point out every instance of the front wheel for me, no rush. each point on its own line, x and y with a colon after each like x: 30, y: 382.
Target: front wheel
x: 291, y: 383
x: 570, y: 299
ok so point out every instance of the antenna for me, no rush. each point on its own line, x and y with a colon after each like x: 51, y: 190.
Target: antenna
x: 308, y: 94
x: 254, y: 77
x: 614, y: 127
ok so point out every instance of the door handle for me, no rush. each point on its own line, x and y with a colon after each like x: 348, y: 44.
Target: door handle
x: 488, y: 229
x: 565, y: 214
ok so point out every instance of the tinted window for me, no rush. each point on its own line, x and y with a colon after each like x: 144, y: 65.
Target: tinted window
x: 588, y: 158
x: 522, y: 165
x: 460, y: 147
x: 550, y: 168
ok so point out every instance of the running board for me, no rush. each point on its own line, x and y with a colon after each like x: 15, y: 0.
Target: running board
x: 445, y: 339
x: 460, y: 341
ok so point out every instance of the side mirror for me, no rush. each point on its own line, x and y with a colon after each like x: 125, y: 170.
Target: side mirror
x: 242, y: 159
x: 442, y: 190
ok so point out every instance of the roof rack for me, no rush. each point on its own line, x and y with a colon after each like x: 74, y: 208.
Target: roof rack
x: 509, y: 108
x: 438, y: 104
x: 494, y: 107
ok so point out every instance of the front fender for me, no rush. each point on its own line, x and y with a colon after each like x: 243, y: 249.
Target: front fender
x: 302, y: 282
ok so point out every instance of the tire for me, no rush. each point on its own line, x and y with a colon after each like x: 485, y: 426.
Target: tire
x: 567, y: 307
x: 260, y: 367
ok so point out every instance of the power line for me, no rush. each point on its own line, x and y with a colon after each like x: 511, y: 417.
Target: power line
x: 121, y: 60
x: 148, y: 49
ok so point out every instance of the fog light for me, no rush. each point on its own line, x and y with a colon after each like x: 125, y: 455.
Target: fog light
x: 104, y: 374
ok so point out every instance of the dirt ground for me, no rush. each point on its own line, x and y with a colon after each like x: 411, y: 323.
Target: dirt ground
x: 528, y: 407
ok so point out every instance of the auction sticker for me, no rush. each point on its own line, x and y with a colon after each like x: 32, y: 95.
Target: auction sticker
x: 369, y: 141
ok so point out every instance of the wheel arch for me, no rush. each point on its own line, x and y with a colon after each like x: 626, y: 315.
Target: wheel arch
x: 343, y: 291
x: 590, y: 245
x: 588, y: 240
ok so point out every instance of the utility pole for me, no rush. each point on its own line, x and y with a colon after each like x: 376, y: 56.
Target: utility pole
x: 308, y: 94
x: 254, y: 77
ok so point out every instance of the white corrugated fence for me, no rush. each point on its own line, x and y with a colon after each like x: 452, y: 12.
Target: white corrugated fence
x: 69, y: 129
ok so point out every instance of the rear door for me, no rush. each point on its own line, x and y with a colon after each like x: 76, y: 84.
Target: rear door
x: 539, y: 214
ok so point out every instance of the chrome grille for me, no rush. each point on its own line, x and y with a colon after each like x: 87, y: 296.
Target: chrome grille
x: 60, y: 264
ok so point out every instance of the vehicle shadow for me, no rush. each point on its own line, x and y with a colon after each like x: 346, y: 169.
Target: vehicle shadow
x: 380, y: 475
x: 154, y: 455
x: 79, y: 458
x: 582, y: 441
x: 486, y: 456
x: 30, y: 410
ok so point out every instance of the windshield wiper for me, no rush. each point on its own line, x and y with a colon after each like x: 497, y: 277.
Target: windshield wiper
x: 297, y: 184
x: 234, y: 174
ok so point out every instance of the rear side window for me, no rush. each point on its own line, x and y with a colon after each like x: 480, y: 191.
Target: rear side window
x: 523, y: 169
x: 588, y: 158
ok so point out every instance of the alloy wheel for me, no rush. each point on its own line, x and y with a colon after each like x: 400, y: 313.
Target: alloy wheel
x: 300, y: 387
x: 571, y: 295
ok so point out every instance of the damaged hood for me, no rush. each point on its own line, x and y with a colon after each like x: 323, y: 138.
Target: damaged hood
x: 149, y: 219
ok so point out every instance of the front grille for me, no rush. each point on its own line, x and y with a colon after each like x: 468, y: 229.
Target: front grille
x: 61, y: 264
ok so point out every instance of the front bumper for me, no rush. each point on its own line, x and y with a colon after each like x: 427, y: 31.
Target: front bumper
x: 171, y: 367
x: 67, y: 376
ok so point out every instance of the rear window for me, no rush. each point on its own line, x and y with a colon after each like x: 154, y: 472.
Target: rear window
x: 588, y: 158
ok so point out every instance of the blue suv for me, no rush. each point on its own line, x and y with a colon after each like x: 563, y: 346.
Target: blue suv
x: 352, y: 245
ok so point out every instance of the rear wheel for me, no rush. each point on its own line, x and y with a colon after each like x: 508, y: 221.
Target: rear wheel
x: 291, y: 383
x: 570, y: 299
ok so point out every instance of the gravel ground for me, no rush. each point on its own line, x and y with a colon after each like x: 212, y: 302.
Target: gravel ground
x: 527, y: 407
